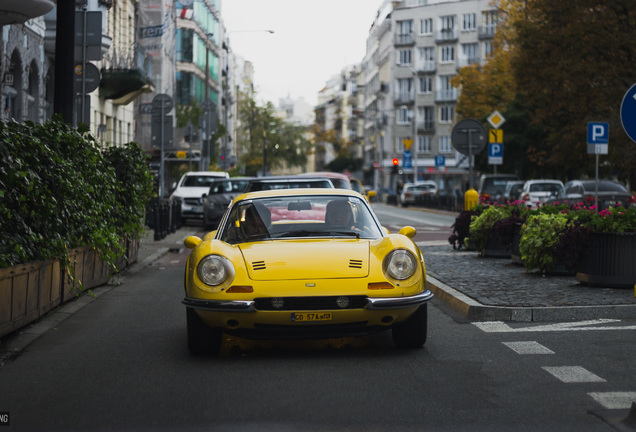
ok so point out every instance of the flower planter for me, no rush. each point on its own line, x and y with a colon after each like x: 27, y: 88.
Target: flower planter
x: 495, y: 247
x: 27, y: 292
x: 609, y: 260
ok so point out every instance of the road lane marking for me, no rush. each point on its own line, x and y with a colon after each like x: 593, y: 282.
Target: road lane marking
x: 572, y: 374
x: 528, y: 347
x: 502, y: 327
x: 614, y: 400
x: 432, y: 243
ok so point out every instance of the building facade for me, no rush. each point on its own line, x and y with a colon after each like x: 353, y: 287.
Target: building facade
x: 414, y: 49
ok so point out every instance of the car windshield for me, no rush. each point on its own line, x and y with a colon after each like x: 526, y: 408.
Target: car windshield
x: 545, y: 187
x: 198, y: 181
x: 312, y: 216
x: 228, y: 186
x: 340, y: 183
x: 495, y: 184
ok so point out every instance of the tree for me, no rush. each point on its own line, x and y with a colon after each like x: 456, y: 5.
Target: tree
x: 261, y: 132
x: 572, y: 63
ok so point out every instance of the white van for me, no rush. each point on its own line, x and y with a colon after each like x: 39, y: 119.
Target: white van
x: 190, y: 190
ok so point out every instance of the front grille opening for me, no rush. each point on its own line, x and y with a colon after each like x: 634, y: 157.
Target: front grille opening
x: 309, y: 303
x: 355, y: 264
x: 258, y: 265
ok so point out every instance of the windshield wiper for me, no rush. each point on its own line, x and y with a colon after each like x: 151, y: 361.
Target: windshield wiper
x: 345, y: 233
x: 299, y: 233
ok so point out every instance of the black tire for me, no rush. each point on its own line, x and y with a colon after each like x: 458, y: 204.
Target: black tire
x: 201, y: 338
x: 412, y: 332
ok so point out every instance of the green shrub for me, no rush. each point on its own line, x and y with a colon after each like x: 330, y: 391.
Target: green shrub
x: 539, y: 237
x: 481, y: 226
x: 59, y: 191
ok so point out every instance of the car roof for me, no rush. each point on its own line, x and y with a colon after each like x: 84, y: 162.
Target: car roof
x: 302, y: 192
x: 291, y: 177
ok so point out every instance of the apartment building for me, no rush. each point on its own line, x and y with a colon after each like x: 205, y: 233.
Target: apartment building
x: 414, y: 49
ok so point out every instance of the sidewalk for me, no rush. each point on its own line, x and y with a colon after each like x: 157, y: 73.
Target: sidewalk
x: 484, y: 289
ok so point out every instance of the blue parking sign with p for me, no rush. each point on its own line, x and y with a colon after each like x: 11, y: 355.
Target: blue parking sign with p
x: 597, y: 137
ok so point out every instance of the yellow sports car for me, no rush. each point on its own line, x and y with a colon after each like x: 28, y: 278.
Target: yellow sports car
x: 304, y: 263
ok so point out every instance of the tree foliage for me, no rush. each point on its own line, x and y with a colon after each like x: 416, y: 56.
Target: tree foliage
x: 559, y: 64
x: 286, y: 144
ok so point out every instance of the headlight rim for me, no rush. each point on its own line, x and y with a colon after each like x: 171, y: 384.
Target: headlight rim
x: 228, y: 270
x: 388, y: 261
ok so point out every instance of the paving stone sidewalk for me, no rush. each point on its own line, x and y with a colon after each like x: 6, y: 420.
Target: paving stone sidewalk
x: 500, y: 283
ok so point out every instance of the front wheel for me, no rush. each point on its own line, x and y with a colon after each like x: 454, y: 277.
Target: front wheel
x: 412, y: 332
x: 201, y: 338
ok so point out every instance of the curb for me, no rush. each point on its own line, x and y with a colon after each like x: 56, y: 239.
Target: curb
x: 476, y: 311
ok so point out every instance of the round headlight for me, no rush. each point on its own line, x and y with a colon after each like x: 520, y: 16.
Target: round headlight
x: 400, y: 264
x: 215, y: 269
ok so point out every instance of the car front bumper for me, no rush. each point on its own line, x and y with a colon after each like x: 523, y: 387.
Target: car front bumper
x: 373, y: 303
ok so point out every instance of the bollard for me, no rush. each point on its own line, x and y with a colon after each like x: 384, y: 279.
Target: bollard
x: 157, y: 221
x: 471, y: 199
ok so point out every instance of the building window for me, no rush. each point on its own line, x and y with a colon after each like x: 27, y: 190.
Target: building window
x: 423, y: 144
x: 426, y: 26
x: 425, y: 113
x: 403, y: 115
x: 405, y: 90
x: 446, y: 113
x: 426, y: 85
x: 486, y: 49
x: 404, y: 57
x: 426, y: 61
x: 445, y: 144
x: 405, y: 31
x: 447, y: 53
x: 447, y: 23
x: 469, y: 22
x: 470, y: 54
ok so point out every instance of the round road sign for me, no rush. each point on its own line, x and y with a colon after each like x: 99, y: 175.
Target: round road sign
x: 162, y: 101
x: 628, y: 113
x: 469, y: 131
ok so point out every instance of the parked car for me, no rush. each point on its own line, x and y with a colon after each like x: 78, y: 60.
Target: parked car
x: 492, y: 186
x: 610, y: 194
x: 219, y: 197
x: 513, y: 190
x: 339, y: 180
x: 311, y: 263
x: 288, y: 182
x: 190, y: 189
x: 413, y: 192
x: 538, y: 192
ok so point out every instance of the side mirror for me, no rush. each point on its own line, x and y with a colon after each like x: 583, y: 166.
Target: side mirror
x: 371, y: 194
x: 408, y: 231
x: 192, y: 242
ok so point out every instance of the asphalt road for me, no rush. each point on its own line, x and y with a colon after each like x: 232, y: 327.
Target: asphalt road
x: 121, y: 363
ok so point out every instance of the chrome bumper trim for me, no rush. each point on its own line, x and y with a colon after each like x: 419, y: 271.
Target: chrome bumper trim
x: 399, y: 302
x: 220, y: 305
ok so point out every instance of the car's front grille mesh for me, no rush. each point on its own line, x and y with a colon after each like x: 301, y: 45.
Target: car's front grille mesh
x: 310, y: 303
x: 192, y: 201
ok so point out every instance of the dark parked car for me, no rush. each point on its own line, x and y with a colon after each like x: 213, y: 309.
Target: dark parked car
x: 610, y: 194
x: 513, y: 190
x: 493, y: 186
x: 219, y: 197
x: 288, y: 182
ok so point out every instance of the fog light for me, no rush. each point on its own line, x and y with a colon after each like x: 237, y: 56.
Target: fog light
x: 277, y: 303
x: 342, y: 302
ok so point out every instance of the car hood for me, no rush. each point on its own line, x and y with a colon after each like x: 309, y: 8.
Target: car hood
x: 313, y: 259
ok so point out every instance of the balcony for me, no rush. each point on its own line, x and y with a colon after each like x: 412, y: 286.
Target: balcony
x: 447, y: 35
x: 428, y: 66
x: 20, y: 11
x: 446, y: 95
x: 404, y: 98
x: 426, y: 126
x: 467, y: 61
x: 126, y: 76
x: 486, y: 32
x: 404, y: 39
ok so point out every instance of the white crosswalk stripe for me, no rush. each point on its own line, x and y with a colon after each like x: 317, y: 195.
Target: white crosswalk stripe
x: 614, y: 400
x: 573, y: 374
x: 528, y: 347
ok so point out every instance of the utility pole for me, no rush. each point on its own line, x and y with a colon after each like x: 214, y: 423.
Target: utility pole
x: 63, y: 92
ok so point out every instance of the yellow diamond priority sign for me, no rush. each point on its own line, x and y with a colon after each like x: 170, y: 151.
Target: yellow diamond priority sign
x: 496, y: 119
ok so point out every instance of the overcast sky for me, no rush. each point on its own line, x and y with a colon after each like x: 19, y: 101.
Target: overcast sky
x: 312, y: 41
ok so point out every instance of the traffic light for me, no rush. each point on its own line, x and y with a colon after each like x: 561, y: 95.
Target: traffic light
x: 396, y: 163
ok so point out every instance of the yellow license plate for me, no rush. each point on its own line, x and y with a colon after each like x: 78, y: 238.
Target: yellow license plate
x: 310, y: 316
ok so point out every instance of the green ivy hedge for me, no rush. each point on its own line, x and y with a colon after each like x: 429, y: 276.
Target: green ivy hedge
x: 60, y: 190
